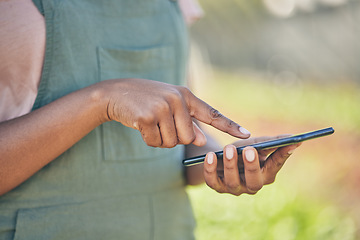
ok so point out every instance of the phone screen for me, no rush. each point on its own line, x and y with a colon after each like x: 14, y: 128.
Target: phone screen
x: 268, y: 144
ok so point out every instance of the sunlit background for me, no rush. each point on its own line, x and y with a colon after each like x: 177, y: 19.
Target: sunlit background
x: 284, y: 66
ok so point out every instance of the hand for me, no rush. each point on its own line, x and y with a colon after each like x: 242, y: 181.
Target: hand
x: 225, y: 177
x: 163, y: 112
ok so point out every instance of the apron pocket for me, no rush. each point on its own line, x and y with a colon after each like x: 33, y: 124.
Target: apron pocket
x: 122, y: 143
x: 122, y: 218
x: 155, y: 63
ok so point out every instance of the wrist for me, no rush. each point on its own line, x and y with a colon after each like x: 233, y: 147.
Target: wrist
x: 194, y: 175
x: 99, y: 98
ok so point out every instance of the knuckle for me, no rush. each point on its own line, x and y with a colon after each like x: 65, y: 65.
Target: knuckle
x: 188, y: 139
x: 150, y: 144
x: 184, y: 90
x: 210, y: 183
x: 214, y: 114
x: 147, y: 118
x: 252, y: 169
x: 149, y: 141
x: 233, y: 187
x: 169, y: 144
x: 173, y: 96
x: 278, y: 163
x: 237, y: 193
x: 161, y: 107
x: 220, y: 190
x: 254, y: 188
x: 270, y: 180
x: 230, y: 166
x: 209, y: 170
x: 284, y: 155
x: 251, y: 193
x: 231, y: 123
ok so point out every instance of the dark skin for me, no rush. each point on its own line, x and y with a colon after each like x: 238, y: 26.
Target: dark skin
x: 224, y: 176
x: 237, y: 174
x: 163, y: 113
x: 164, y: 121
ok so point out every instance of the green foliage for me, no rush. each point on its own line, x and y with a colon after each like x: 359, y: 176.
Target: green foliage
x: 310, y: 103
x: 275, y: 213
x: 240, y: 7
x: 307, y: 200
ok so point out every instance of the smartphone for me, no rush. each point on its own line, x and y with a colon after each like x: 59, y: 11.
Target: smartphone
x: 268, y: 144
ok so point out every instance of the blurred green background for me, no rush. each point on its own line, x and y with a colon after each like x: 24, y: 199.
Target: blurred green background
x: 284, y: 66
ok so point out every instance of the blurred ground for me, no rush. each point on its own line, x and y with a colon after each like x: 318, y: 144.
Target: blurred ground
x: 276, y: 67
x: 322, y: 174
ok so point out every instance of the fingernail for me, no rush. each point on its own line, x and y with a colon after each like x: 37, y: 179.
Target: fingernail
x: 210, y: 158
x: 244, y: 131
x: 229, y: 153
x: 250, y: 155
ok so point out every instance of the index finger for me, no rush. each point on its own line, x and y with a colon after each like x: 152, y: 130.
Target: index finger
x: 209, y: 115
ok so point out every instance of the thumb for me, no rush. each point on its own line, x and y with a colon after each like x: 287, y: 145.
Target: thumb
x: 200, y: 138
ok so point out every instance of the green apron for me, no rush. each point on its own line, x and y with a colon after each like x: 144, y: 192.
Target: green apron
x: 110, y: 185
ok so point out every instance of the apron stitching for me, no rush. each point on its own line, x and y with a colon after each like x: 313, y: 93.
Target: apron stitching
x: 49, y: 46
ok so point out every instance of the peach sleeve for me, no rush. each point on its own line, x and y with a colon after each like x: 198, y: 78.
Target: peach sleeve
x: 22, y: 49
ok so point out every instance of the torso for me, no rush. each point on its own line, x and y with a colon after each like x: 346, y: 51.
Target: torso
x: 110, y: 184
x: 22, y: 49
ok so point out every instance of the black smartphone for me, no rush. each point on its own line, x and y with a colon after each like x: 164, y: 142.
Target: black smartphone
x: 268, y: 144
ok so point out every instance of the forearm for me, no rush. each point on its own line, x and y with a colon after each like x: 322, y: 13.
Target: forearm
x: 163, y: 113
x: 30, y: 142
